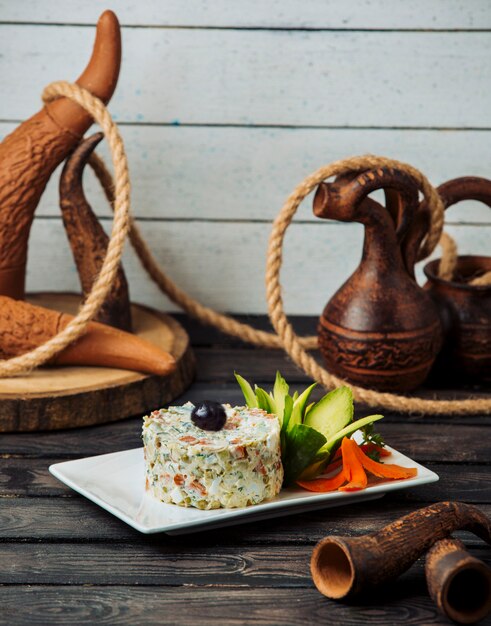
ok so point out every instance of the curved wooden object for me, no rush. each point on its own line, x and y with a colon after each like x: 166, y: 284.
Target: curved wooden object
x: 30, y: 154
x: 459, y: 584
x: 465, y: 308
x: 466, y: 314
x: 343, y: 567
x: 87, y: 238
x: 451, y: 192
x: 380, y: 329
x: 24, y: 327
x: 69, y: 397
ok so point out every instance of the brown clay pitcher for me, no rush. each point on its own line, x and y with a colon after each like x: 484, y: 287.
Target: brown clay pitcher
x: 380, y: 329
x: 465, y: 308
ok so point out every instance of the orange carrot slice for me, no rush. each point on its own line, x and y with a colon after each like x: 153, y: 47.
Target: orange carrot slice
x: 352, y: 467
x: 352, y: 476
x: 323, y: 484
x: 384, y: 470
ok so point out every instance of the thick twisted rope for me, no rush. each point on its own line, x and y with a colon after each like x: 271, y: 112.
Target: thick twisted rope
x: 449, y: 257
x: 102, y: 284
x: 286, y: 337
x: 118, y: 195
x: 208, y: 316
x: 448, y: 263
x: 283, y: 327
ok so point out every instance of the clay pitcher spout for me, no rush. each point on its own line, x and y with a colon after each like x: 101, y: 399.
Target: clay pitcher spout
x: 30, y: 154
x: 380, y: 329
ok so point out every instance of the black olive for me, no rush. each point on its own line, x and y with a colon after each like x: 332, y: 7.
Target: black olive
x: 209, y: 415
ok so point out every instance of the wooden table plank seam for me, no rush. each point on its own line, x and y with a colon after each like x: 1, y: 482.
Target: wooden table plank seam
x: 63, y: 560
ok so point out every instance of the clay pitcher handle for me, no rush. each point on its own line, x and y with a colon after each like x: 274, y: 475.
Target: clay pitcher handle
x: 342, y: 567
x: 345, y: 199
x: 459, y: 584
x: 465, y: 188
x: 451, y: 192
x: 393, y: 203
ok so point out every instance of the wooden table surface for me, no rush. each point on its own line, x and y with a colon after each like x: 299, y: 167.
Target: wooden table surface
x: 63, y: 560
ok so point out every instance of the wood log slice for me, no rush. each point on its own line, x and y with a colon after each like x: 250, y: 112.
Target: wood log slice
x: 52, y: 398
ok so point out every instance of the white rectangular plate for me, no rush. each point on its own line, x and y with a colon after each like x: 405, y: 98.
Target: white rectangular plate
x: 116, y: 482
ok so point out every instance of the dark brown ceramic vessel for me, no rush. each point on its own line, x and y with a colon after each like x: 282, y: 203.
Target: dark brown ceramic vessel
x: 466, y: 315
x: 465, y: 308
x: 343, y: 567
x: 380, y: 329
x: 459, y: 584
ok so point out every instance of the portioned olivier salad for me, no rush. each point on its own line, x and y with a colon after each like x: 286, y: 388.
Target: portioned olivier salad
x: 212, y: 455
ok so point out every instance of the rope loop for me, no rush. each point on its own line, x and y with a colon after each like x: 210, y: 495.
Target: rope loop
x: 284, y: 329
x: 118, y: 195
x: 76, y: 327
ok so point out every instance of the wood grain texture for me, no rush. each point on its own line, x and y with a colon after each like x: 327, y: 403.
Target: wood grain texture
x: 448, y: 563
x: 70, y: 397
x: 159, y: 564
x: 457, y: 442
x: 267, y: 77
x: 62, y: 559
x: 340, y: 78
x: 21, y: 477
x: 193, y: 254
x: 220, y: 172
x: 347, y: 567
x: 349, y: 14
x: 153, y: 564
x: 79, y: 520
x: 231, y: 606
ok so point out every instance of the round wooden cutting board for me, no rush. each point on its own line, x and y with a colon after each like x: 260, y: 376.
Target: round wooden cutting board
x: 67, y: 397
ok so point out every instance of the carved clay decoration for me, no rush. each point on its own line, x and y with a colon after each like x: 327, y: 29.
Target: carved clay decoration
x: 88, y: 239
x: 29, y: 155
x: 343, y: 567
x: 465, y: 308
x: 380, y: 329
x: 24, y: 327
x: 459, y: 584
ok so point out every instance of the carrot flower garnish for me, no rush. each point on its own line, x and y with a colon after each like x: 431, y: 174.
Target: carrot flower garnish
x: 384, y: 470
x: 324, y: 484
x: 355, y: 465
x: 353, y: 470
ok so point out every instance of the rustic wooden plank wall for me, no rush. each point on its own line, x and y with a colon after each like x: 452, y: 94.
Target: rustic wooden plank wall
x: 225, y: 106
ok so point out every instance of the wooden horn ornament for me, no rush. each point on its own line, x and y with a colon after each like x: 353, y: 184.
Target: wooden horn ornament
x: 88, y: 240
x: 459, y: 584
x: 30, y: 154
x: 343, y: 567
x: 24, y: 326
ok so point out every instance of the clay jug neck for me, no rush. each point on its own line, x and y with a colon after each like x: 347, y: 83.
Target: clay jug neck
x: 347, y: 200
x: 381, y: 251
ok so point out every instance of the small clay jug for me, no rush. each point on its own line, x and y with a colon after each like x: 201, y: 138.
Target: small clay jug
x: 465, y: 308
x: 380, y: 329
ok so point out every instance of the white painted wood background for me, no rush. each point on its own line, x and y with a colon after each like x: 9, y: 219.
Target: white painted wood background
x: 225, y: 106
